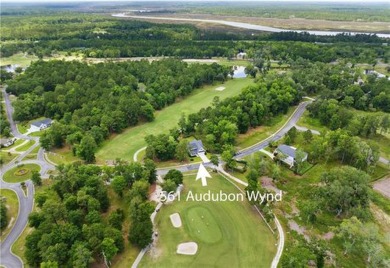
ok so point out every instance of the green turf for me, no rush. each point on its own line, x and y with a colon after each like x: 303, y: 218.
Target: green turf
x: 62, y: 156
x: 127, y: 143
x: 25, y: 146
x: 7, y: 157
x: 228, y: 234
x: 10, y: 176
x: 311, y: 123
x: 12, y: 211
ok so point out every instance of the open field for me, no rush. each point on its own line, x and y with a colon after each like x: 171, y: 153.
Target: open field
x: 127, y: 143
x: 12, y: 204
x: 20, y: 173
x: 61, y: 156
x: 219, y: 229
x: 25, y: 60
x: 283, y: 23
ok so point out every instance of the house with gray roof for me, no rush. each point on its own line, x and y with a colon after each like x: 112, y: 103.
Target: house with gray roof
x: 287, y: 154
x: 40, y: 125
x: 195, y: 147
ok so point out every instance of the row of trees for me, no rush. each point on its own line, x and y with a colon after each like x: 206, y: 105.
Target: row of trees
x: 3, y: 214
x: 69, y: 229
x: 5, y: 129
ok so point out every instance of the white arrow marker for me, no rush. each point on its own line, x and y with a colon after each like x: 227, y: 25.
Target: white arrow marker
x: 203, y: 174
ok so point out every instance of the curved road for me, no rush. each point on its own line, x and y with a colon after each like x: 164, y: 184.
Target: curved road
x: 26, y: 203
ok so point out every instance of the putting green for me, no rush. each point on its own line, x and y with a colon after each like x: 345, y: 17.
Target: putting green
x: 228, y: 234
x: 202, y: 224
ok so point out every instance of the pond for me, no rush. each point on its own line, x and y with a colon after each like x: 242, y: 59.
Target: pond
x: 239, y: 72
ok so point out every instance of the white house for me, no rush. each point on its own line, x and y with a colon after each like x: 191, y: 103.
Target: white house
x: 287, y: 154
x: 241, y: 55
x: 40, y: 125
x: 7, y: 142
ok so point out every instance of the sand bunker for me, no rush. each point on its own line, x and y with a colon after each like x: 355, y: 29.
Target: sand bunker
x: 189, y: 248
x: 176, y: 220
x: 220, y: 88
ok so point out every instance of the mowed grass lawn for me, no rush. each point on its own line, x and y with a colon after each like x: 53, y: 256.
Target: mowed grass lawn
x: 228, y: 234
x: 127, y: 143
x: 12, y: 204
x: 20, y: 173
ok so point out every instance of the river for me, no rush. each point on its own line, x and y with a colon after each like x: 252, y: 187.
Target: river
x: 247, y: 25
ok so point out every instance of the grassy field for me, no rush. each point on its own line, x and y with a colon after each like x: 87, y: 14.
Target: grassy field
x: 127, y: 143
x: 6, y: 158
x: 291, y: 23
x: 258, y: 134
x: 228, y: 234
x: 12, y: 204
x: 10, y: 175
x: 25, y: 60
x: 25, y: 146
x: 62, y: 156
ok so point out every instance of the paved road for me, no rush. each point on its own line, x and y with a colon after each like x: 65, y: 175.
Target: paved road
x: 7, y: 258
x: 278, y: 134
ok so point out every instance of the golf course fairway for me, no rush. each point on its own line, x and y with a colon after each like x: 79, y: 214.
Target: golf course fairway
x: 124, y: 145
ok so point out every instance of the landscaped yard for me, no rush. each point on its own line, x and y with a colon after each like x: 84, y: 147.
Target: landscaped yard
x: 12, y: 204
x: 6, y: 157
x: 25, y: 146
x: 228, y: 234
x: 127, y: 143
x: 20, y: 173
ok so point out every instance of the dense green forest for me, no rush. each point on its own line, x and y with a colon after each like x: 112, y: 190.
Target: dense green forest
x: 75, y: 225
x: 91, y: 101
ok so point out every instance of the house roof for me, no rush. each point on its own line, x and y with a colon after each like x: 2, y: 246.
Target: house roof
x: 39, y: 123
x: 195, y: 145
x: 288, y: 150
x: 3, y: 141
